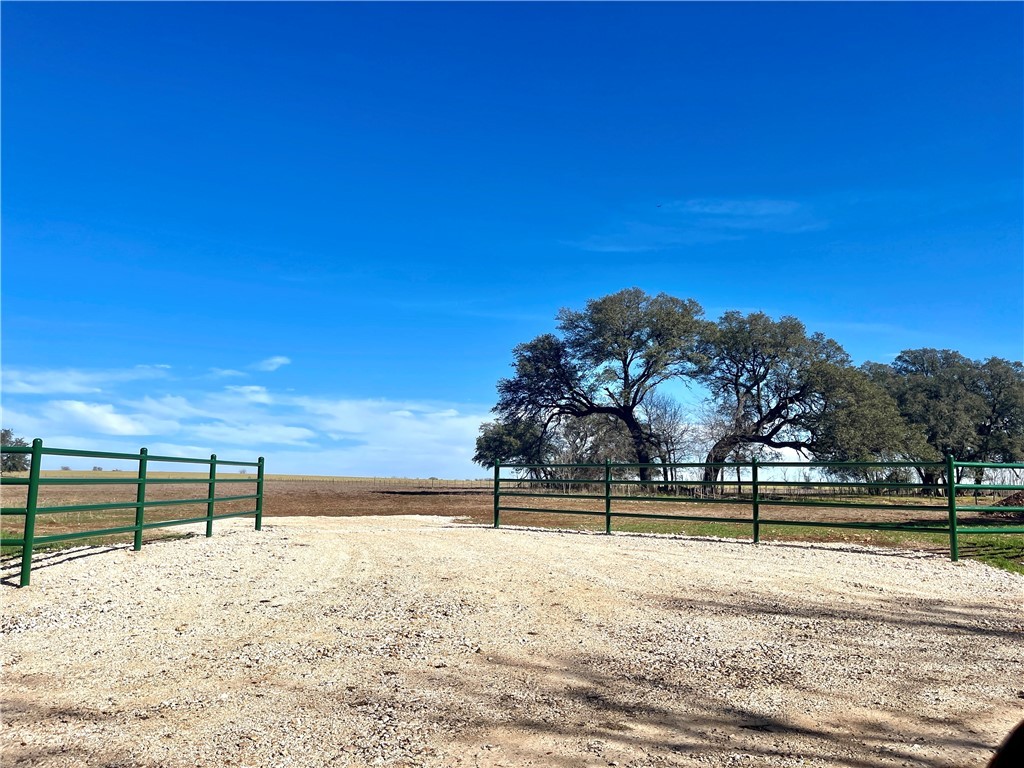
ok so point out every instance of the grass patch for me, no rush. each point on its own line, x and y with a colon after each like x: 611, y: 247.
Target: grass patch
x: 1004, y: 551
x: 1000, y: 551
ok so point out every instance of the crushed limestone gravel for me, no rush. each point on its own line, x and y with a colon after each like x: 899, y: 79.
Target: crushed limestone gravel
x: 417, y: 641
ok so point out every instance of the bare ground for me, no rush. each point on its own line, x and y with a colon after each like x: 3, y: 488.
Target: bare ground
x: 355, y: 498
x: 418, y: 641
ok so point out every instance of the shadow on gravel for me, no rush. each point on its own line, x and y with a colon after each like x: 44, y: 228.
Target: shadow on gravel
x: 553, y: 710
x: 934, y: 614
x: 10, y: 566
x: 576, y: 711
x: 922, y: 553
x: 22, y: 754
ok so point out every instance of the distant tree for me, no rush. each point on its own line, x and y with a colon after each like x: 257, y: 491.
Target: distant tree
x: 608, y: 359
x: 589, y: 392
x: 775, y: 386
x: 669, y: 428
x: 1000, y: 384
x: 13, y: 462
x: 968, y: 408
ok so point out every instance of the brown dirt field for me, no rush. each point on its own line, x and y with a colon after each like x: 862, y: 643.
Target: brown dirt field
x: 378, y: 497
x: 288, y: 497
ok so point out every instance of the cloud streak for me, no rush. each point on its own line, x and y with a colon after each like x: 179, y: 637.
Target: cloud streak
x: 74, y: 381
x: 264, y: 436
x: 703, y: 221
x: 251, y: 394
x: 104, y: 419
x: 271, y: 363
x: 224, y: 373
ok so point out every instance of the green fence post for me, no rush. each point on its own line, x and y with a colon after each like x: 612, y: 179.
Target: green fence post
x: 757, y: 504
x: 954, y: 544
x: 213, y: 493
x: 31, y: 503
x: 140, y: 499
x: 608, y: 496
x: 497, y: 494
x: 259, y: 494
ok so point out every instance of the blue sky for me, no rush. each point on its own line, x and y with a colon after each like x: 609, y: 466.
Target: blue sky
x: 316, y: 231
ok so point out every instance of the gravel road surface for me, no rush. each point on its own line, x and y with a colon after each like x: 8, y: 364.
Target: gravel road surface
x: 417, y: 641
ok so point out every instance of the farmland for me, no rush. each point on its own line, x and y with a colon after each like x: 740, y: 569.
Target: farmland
x: 381, y: 621
x: 470, y: 502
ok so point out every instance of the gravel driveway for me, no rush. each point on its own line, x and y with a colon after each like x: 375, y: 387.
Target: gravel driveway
x: 405, y: 641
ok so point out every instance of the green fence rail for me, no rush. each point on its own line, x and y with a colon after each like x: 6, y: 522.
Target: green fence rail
x: 32, y: 508
x: 755, y: 491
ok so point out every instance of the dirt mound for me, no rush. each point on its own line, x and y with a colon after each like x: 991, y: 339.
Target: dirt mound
x: 1013, y: 500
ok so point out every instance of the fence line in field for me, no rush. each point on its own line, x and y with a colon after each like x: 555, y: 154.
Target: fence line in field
x: 756, y: 486
x: 34, y: 480
x: 387, y: 482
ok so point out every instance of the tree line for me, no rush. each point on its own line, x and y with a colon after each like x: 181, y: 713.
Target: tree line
x: 595, y: 390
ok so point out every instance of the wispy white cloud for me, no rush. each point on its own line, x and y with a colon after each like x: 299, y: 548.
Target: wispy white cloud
x: 190, y: 449
x: 251, y: 394
x: 73, y: 381
x: 386, y: 437
x: 224, y: 373
x: 399, y: 435
x: 467, y: 307
x: 753, y: 208
x: 260, y: 436
x: 271, y: 363
x: 24, y: 423
x: 778, y: 216
x: 104, y: 419
x: 702, y: 221
x: 640, y: 236
x: 173, y: 407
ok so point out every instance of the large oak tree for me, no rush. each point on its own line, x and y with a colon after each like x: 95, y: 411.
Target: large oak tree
x: 606, y: 360
x: 774, y: 385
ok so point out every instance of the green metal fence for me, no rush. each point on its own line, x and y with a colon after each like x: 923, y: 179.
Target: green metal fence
x: 32, y: 508
x: 611, y: 484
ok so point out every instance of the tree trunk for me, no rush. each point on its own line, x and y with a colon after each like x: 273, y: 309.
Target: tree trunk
x: 719, y: 452
x: 640, y: 448
x: 929, y: 477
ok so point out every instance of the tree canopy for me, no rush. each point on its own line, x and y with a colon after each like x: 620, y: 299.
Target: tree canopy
x: 13, y: 462
x: 512, y: 442
x: 594, y: 390
x: 607, y: 361
x: 774, y: 385
x: 969, y: 408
